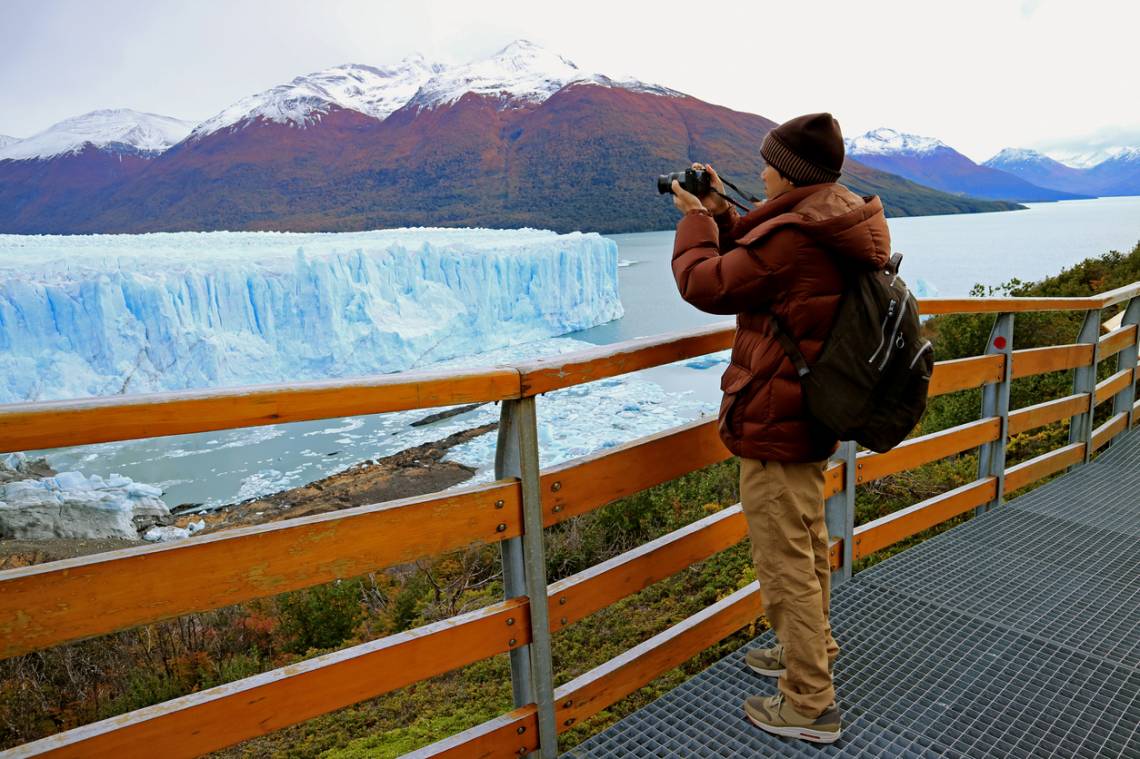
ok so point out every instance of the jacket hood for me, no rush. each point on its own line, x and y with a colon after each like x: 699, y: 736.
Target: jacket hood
x: 833, y: 216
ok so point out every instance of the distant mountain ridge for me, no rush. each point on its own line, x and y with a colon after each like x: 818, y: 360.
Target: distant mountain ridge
x: 523, y: 138
x: 1118, y: 174
x: 935, y: 164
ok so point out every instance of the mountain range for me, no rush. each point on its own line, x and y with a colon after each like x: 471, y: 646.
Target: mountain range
x: 1116, y: 174
x: 522, y: 138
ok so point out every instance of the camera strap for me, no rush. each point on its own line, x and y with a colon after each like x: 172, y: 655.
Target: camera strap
x: 741, y: 193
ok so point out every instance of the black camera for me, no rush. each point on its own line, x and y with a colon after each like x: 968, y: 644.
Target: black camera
x: 696, y: 181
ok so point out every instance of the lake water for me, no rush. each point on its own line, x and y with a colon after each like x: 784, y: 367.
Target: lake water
x: 948, y: 254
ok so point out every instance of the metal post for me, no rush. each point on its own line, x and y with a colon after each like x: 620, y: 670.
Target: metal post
x: 1084, y: 381
x: 1126, y: 359
x: 995, y: 402
x: 524, y: 568
x: 514, y: 573
x: 839, y: 511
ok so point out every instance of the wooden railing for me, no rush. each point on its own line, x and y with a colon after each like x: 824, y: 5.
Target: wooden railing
x: 55, y: 603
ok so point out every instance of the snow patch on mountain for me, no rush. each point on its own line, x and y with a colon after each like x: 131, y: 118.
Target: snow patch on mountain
x: 6, y: 140
x: 521, y: 72
x: 121, y: 130
x: 885, y: 141
x: 1008, y: 156
x: 373, y: 91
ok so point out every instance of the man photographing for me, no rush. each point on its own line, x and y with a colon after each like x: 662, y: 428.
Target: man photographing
x: 782, y: 266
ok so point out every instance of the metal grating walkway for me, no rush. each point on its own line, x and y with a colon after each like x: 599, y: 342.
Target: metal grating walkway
x: 1016, y: 634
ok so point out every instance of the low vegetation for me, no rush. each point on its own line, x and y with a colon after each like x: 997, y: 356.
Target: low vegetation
x: 54, y: 690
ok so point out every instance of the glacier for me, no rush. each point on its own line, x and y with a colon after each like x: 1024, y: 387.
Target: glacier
x: 100, y: 315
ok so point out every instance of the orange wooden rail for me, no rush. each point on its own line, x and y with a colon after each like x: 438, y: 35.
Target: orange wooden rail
x: 49, y: 604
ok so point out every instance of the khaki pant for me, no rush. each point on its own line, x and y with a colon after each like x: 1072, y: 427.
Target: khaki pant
x: 783, y: 504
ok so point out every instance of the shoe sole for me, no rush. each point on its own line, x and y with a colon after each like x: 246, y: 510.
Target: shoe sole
x: 803, y: 733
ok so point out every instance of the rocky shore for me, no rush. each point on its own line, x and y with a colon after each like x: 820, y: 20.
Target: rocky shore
x: 411, y: 472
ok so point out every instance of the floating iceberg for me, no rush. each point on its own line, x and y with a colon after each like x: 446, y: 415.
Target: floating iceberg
x: 71, y: 505
x: 108, y: 314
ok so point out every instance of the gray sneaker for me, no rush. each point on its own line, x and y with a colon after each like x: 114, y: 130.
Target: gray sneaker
x: 777, y: 716
x: 770, y: 661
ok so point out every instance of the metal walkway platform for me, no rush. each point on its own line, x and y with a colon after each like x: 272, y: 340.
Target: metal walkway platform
x: 1016, y: 634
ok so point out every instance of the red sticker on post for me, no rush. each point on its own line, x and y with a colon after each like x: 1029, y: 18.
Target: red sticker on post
x: 999, y: 342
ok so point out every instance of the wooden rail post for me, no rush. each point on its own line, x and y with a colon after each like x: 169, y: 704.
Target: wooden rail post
x: 839, y: 511
x: 1084, y: 381
x: 524, y: 567
x: 995, y: 402
x: 1126, y: 359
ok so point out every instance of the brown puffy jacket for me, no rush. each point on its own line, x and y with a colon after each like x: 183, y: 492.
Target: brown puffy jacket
x: 791, y: 257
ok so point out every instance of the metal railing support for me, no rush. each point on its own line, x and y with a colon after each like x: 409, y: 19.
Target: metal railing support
x: 1126, y: 359
x: 524, y: 568
x: 1084, y: 381
x: 839, y: 511
x: 995, y: 402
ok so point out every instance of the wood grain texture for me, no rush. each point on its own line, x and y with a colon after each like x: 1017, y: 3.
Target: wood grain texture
x: 543, y: 375
x: 53, y: 603
x: 922, y: 450
x: 1017, y: 477
x: 33, y: 426
x: 890, y: 529
x: 584, y: 484
x: 606, y: 684
x: 508, y: 735
x: 1116, y: 341
x: 218, y: 717
x: 1040, y: 414
x: 965, y: 373
x: 1031, y: 361
x: 1110, y: 429
x: 1112, y: 385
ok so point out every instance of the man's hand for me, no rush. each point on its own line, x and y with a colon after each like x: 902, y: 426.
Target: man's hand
x: 685, y: 200
x: 714, y: 201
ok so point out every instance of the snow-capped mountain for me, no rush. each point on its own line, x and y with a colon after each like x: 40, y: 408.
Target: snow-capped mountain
x: 933, y: 163
x: 522, y: 138
x: 1087, y: 159
x: 118, y: 130
x: 1118, y: 174
x: 6, y: 140
x: 375, y: 92
x: 884, y: 141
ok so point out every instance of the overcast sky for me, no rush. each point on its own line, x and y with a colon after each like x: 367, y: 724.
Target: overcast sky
x: 978, y: 74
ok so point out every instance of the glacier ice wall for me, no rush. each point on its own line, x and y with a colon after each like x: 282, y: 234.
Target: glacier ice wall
x: 106, y: 314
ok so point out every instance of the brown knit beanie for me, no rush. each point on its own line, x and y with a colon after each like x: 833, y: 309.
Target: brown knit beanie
x: 806, y: 150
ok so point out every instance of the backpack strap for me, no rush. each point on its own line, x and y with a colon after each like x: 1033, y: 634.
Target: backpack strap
x: 789, y: 347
